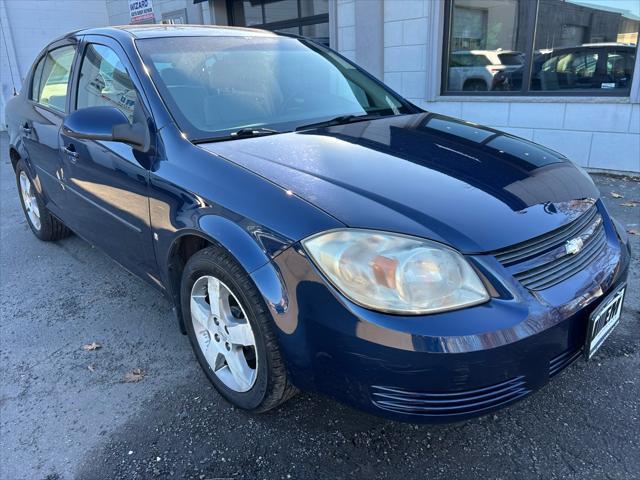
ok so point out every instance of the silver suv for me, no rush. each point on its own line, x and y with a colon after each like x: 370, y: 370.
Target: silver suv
x: 473, y: 70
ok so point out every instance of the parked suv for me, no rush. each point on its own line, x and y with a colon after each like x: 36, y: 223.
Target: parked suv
x: 473, y: 70
x: 591, y: 66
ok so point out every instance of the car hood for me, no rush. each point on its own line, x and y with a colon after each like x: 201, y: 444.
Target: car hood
x: 428, y: 175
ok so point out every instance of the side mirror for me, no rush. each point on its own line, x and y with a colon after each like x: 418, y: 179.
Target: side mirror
x: 107, y: 124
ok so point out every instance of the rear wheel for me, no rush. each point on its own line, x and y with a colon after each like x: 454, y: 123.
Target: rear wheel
x: 43, y: 225
x: 230, y: 331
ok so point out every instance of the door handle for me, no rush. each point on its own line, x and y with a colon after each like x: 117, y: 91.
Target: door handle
x: 71, y: 152
x: 26, y: 129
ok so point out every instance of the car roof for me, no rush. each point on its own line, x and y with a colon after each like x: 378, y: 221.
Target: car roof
x: 162, y: 30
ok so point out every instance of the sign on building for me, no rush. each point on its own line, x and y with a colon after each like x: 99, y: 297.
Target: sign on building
x: 141, y: 11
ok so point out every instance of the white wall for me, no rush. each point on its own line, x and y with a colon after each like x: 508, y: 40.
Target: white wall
x: 29, y: 25
x: 346, y: 21
x: 596, y: 132
x: 595, y: 135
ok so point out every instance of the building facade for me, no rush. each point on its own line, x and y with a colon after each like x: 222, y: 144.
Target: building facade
x: 563, y: 73
x: 27, y: 26
x: 549, y: 87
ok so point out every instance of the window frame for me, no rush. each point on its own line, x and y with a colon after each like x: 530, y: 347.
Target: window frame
x: 297, y: 22
x: 87, y: 44
x: 526, y: 91
x: 69, y: 42
x: 114, y: 45
x: 35, y: 96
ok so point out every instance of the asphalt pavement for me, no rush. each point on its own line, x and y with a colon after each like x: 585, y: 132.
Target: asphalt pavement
x: 69, y: 413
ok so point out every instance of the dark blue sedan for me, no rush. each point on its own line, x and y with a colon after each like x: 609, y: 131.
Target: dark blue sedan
x: 312, y: 228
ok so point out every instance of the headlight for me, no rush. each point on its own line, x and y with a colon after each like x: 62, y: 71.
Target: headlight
x: 395, y: 273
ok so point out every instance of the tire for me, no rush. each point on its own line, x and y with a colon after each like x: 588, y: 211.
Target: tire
x: 239, y: 295
x: 42, y: 223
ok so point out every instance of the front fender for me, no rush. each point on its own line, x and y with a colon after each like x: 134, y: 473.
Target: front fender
x: 251, y: 247
x: 194, y: 192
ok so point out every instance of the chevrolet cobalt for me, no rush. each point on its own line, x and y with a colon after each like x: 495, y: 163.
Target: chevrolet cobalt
x: 313, y: 229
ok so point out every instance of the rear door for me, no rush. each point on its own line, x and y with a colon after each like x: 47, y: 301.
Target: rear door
x: 107, y: 182
x: 47, y: 106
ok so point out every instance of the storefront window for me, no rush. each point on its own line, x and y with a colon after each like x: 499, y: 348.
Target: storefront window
x: 487, y: 37
x: 318, y: 31
x: 279, y: 11
x: 583, y: 46
x: 314, y: 7
x: 252, y: 13
x: 540, y: 47
x: 309, y: 18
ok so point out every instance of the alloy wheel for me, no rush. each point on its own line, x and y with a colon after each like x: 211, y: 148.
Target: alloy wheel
x: 224, y: 334
x: 29, y: 200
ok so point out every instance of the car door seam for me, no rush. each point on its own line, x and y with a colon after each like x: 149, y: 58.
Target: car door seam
x: 105, y: 210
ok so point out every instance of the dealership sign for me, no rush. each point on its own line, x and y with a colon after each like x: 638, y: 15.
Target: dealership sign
x: 141, y: 11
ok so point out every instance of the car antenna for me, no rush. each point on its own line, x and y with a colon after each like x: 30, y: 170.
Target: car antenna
x: 13, y: 83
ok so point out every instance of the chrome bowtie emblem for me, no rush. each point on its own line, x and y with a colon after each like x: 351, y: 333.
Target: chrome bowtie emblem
x: 573, y: 246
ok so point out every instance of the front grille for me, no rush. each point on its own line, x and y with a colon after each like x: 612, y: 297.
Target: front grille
x: 543, y: 261
x: 560, y: 362
x: 446, y: 404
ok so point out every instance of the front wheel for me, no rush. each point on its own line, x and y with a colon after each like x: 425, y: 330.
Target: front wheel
x: 43, y: 225
x: 230, y: 331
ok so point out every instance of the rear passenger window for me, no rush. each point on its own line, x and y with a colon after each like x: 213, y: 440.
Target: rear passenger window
x: 104, y: 81
x: 54, y: 81
x: 35, y: 82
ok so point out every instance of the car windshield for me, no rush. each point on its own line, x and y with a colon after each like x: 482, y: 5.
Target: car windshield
x: 217, y: 85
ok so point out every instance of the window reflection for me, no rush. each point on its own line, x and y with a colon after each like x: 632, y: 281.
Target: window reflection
x: 578, y: 45
x: 104, y: 81
x: 252, y: 13
x: 55, y: 78
x: 485, y: 39
x: 313, y: 7
x: 584, y: 46
x: 474, y: 133
x: 319, y: 32
x: 309, y: 18
x: 280, y: 10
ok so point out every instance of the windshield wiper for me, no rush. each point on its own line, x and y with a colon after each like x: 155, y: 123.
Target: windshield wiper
x: 341, y: 120
x: 241, y: 133
x: 253, y: 132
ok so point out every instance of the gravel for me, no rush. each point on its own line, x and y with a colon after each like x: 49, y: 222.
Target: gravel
x: 67, y: 412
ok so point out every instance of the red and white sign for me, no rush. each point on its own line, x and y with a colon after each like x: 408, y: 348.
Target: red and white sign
x: 141, y: 11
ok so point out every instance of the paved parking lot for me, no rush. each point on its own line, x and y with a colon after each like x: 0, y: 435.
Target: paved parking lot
x: 68, y: 413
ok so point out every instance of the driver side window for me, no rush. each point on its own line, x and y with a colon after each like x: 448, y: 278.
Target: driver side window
x: 104, y: 81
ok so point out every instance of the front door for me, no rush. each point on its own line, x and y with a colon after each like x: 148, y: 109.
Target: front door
x: 107, y: 182
x: 42, y: 121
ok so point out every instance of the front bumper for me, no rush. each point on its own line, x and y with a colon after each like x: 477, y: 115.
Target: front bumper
x: 437, y: 368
